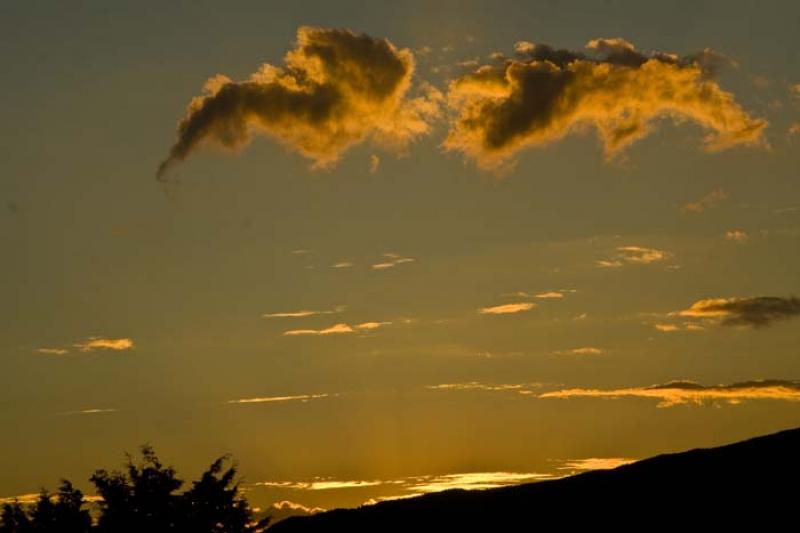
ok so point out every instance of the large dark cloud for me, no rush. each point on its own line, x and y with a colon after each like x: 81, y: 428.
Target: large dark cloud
x: 759, y: 311
x: 337, y: 88
x: 544, y: 94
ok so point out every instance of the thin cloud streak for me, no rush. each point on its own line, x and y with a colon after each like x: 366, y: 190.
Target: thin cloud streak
x: 505, y: 309
x: 280, y: 399
x: 304, y: 313
x: 691, y: 393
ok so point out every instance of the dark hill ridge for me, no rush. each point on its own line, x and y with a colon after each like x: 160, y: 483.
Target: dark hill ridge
x: 750, y: 483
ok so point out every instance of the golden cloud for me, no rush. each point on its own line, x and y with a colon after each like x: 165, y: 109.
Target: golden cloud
x: 506, y: 309
x: 596, y: 463
x: 688, y: 392
x: 338, y: 329
x: 337, y: 88
x: 100, y: 343
x: 706, y: 202
x: 755, y: 312
x: 272, y: 399
x: 737, y: 235
x: 635, y: 255
x: 545, y: 94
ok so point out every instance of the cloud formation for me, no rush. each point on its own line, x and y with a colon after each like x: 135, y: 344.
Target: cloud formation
x: 338, y: 329
x: 417, y: 484
x: 304, y: 313
x: 706, y: 202
x: 758, y: 311
x: 737, y: 235
x: 544, y: 94
x: 100, y: 343
x: 689, y: 392
x: 506, y: 309
x: 583, y: 350
x: 595, y: 463
x: 53, y: 351
x: 280, y: 399
x: 634, y: 255
x: 284, y: 509
x: 391, y: 260
x: 337, y: 88
x: 476, y: 385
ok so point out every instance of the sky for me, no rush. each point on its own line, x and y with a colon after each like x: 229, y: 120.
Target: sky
x: 374, y: 250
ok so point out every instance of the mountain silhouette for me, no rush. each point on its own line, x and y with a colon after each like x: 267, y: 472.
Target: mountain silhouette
x: 751, y: 484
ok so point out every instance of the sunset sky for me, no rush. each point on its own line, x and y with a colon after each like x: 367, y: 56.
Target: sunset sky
x: 378, y: 249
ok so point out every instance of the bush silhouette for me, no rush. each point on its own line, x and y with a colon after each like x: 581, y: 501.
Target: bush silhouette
x: 144, y: 497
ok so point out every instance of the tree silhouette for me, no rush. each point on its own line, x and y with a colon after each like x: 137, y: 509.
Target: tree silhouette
x: 143, y: 498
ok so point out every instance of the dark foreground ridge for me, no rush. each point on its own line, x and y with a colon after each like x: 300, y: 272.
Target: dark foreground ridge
x: 753, y: 483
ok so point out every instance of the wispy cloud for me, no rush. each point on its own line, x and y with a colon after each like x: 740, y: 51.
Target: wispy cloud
x: 476, y: 385
x: 320, y: 483
x: 595, y: 463
x: 758, y: 311
x: 102, y: 343
x: 338, y: 329
x: 374, y: 163
x: 94, y: 411
x: 737, y: 235
x: 667, y: 327
x: 549, y: 295
x: 281, y: 399
x: 343, y: 264
x: 689, y: 392
x: 505, y: 309
x: 583, y: 350
x: 416, y: 484
x: 53, y: 351
x: 634, y: 255
x: 284, y: 509
x: 304, y: 313
x: 706, y: 202
x: 391, y: 260
x: 472, y: 481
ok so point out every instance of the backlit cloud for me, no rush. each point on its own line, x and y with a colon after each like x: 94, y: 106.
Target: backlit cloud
x: 336, y: 329
x: 415, y: 485
x: 100, y: 343
x: 583, y: 350
x: 688, y: 392
x: 595, y: 463
x: 755, y: 312
x: 53, y: 351
x: 545, y: 94
x: 281, y: 399
x: 320, y: 484
x: 337, y: 88
x: 476, y: 385
x: 737, y: 235
x: 706, y: 202
x: 284, y: 509
x: 506, y: 309
x: 391, y: 260
x: 304, y: 313
x: 339, y: 329
x: 550, y: 295
x: 634, y: 255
